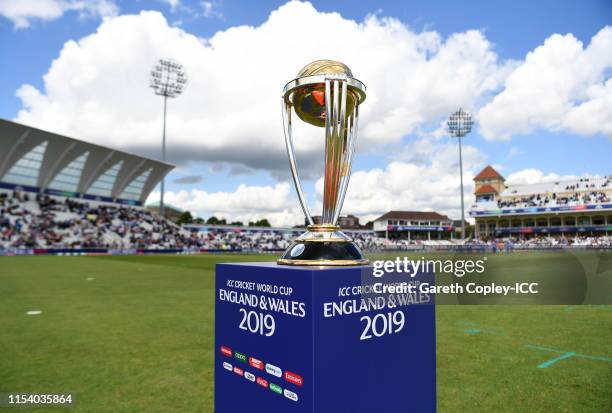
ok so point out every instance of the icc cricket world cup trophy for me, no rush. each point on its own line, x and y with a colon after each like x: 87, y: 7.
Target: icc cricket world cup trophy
x: 326, y: 95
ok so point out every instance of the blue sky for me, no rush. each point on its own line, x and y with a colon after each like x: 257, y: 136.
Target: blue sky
x: 510, y: 29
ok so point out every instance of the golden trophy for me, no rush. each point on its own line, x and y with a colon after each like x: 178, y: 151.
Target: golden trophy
x: 325, y: 94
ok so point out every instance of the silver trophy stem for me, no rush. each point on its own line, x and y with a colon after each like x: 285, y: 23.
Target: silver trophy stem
x: 293, y: 161
x: 330, y: 122
x: 335, y: 148
x: 348, y: 159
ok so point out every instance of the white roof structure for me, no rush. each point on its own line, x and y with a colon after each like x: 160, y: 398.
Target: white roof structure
x: 39, y: 161
x: 585, y: 183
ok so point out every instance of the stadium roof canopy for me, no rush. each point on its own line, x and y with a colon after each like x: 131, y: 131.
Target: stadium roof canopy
x: 416, y: 215
x: 586, y: 183
x: 39, y: 161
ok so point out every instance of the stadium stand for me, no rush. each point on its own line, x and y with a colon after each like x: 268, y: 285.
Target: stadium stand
x: 49, y: 224
x: 44, y: 222
x: 580, y: 207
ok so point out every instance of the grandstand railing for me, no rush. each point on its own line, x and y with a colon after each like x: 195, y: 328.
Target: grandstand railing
x: 532, y: 210
x: 553, y: 230
x: 65, y: 194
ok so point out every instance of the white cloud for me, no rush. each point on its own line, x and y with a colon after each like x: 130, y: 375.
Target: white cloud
x: 561, y: 86
x: 246, y: 203
x: 534, y: 176
x: 595, y: 114
x: 513, y: 152
x: 174, y: 4
x: 209, y: 9
x: 230, y: 112
x: 22, y: 12
x: 424, y: 178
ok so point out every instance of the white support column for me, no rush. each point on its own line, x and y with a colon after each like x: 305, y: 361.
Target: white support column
x: 96, y: 172
x: 132, y: 174
x: 8, y: 160
x: 47, y: 176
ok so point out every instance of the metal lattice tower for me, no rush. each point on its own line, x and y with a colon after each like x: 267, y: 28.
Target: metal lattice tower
x: 168, y: 79
x: 459, y: 125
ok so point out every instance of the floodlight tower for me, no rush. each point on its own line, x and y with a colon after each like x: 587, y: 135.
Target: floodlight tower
x: 168, y: 79
x: 460, y: 124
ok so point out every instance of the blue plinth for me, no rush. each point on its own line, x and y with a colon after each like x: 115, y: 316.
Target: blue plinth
x: 310, y: 340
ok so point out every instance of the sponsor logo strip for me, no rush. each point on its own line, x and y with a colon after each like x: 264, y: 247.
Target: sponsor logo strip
x: 249, y: 376
x: 262, y: 382
x: 258, y: 364
x: 294, y: 378
x: 226, y: 351
x: 290, y: 395
x: 273, y: 370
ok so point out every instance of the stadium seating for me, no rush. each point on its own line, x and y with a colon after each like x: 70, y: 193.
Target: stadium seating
x: 592, y: 197
x: 563, y: 241
x: 581, y: 191
x: 44, y: 222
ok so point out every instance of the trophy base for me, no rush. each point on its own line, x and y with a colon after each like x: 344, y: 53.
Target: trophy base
x: 323, y: 245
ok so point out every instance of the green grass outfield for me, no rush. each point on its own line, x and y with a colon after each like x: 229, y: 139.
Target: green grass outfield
x: 135, y: 334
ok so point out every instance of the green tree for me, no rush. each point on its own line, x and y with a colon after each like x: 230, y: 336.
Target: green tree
x: 261, y: 223
x: 185, y: 218
x: 212, y: 220
x: 216, y: 221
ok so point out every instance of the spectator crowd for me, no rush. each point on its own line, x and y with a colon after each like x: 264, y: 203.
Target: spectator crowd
x: 544, y: 242
x: 549, y: 200
x: 41, y: 222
